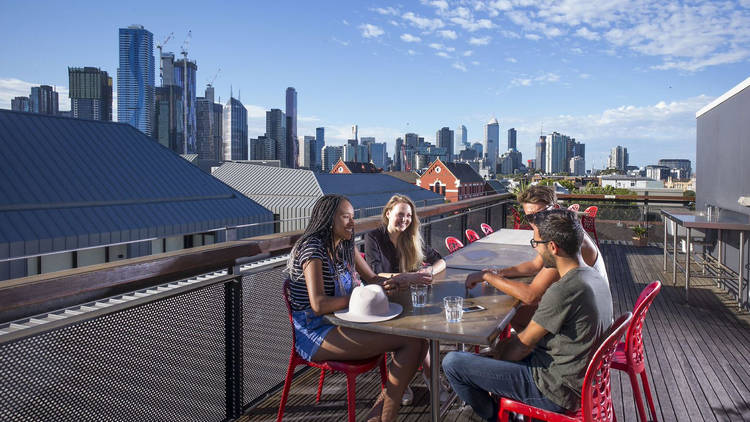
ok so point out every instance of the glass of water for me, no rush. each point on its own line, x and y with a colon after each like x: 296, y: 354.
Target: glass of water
x: 454, y: 308
x: 418, y: 295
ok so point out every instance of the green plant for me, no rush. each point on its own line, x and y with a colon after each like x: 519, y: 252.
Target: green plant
x: 639, y: 231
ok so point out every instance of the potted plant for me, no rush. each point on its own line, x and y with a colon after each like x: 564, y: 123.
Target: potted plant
x: 640, y: 235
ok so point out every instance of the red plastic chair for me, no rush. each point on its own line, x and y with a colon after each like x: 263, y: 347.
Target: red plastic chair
x: 591, y: 211
x: 453, y: 244
x: 487, y: 229
x: 629, y: 356
x: 574, y: 207
x: 351, y: 368
x: 471, y: 236
x: 596, y: 396
x: 517, y: 221
x: 589, y: 224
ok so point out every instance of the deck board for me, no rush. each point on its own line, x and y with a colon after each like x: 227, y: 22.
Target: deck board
x: 697, y: 355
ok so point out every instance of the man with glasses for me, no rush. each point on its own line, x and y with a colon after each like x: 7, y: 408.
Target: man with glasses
x: 534, y: 199
x: 543, y: 365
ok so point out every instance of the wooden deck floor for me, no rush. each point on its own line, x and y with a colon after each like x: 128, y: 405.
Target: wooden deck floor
x: 698, y: 356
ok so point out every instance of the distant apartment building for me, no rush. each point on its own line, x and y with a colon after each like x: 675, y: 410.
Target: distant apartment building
x: 90, y: 92
x: 21, y: 104
x: 683, y: 167
x: 276, y: 129
x: 168, y: 118
x: 512, y: 139
x: 292, y: 146
x: 184, y: 77
x: 235, y: 131
x: 577, y: 166
x: 135, y: 79
x: 479, y: 148
x: 511, y: 161
x: 531, y: 164
x: 461, y: 140
x: 541, y: 154
x: 411, y: 140
x: 556, y: 153
x: 618, y: 158
x: 44, y: 100
x: 320, y: 138
x: 262, y: 148
x: 630, y: 182
x: 491, y: 144
x: 309, y: 152
x: 658, y: 172
x: 208, y: 126
x: 330, y: 155
x: 444, y: 139
x: 378, y: 155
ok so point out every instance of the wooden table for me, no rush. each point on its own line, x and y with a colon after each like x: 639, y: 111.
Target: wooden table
x: 429, y: 322
x: 509, y: 237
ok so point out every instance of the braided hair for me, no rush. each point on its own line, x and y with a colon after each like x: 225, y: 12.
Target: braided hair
x: 321, y: 226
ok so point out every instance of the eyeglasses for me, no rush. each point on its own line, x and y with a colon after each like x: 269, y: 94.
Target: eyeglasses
x: 547, y: 208
x: 534, y: 243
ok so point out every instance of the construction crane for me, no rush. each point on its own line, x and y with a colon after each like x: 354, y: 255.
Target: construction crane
x: 184, y: 52
x: 159, y: 46
x: 211, y: 80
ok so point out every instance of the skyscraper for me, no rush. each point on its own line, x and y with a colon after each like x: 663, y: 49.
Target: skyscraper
x: 355, y: 133
x: 618, y: 158
x: 276, y: 130
x: 398, y: 162
x: 186, y: 82
x: 378, y: 154
x: 460, y: 141
x: 308, y: 152
x: 555, y: 153
x: 411, y: 140
x: 20, y: 104
x: 479, y: 148
x: 491, y: 141
x: 331, y: 155
x: 168, y: 124
x: 577, y: 166
x: 444, y: 139
x: 235, y: 130
x: 541, y: 153
x: 90, y: 91
x: 512, y: 138
x: 43, y: 100
x: 320, y: 139
x: 208, y: 126
x: 135, y: 79
x: 292, y: 149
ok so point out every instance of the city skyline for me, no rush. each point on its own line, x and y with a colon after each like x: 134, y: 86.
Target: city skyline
x: 612, y: 82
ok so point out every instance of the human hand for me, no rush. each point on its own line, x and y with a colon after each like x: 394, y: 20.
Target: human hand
x: 494, y: 270
x: 423, y: 276
x: 474, y: 278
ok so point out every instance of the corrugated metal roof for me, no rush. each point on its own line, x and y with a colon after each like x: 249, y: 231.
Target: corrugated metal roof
x: 374, y: 190
x: 464, y: 172
x: 496, y: 186
x: 68, y: 184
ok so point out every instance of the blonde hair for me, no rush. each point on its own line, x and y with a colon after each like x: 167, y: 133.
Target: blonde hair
x: 409, y: 244
x: 538, y: 194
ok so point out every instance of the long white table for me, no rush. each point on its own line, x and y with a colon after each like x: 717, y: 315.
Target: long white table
x: 509, y: 237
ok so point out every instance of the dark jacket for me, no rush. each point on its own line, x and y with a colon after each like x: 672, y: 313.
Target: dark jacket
x: 382, y: 255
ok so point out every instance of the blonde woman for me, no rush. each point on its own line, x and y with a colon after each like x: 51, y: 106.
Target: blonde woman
x: 395, y: 250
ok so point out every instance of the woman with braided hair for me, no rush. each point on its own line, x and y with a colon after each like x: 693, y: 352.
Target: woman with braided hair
x: 321, y: 267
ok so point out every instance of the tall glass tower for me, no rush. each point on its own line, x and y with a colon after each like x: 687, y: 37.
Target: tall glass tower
x: 292, y: 150
x: 491, y: 140
x: 135, y: 79
x: 235, y: 130
x: 188, y: 102
x: 90, y: 91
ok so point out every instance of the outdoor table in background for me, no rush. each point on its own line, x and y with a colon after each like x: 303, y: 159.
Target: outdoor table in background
x: 698, y: 220
x: 509, y: 237
x: 429, y: 322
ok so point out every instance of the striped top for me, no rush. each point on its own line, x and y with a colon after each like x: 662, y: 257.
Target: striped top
x: 312, y: 248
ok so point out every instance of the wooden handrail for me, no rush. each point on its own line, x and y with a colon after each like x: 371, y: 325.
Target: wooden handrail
x: 28, y: 296
x: 650, y: 198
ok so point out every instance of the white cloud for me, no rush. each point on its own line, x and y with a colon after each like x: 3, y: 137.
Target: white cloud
x: 371, y: 31
x: 345, y: 22
x: 460, y: 66
x: 511, y: 60
x: 584, y: 76
x: 438, y: 46
x: 448, y: 34
x: 344, y: 43
x: 10, y: 88
x: 443, y: 54
x: 479, y: 41
x: 584, y: 32
x: 509, y: 34
x: 541, y: 79
x: 472, y: 25
x: 439, y: 4
x: 576, y: 50
x: 412, y: 53
x: 468, y: 53
x: 532, y: 37
x: 475, y: 63
x: 394, y: 23
x: 255, y: 112
x: 423, y: 23
x: 410, y: 38
x: 387, y: 11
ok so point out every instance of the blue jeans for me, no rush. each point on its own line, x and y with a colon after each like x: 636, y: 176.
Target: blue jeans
x: 473, y: 376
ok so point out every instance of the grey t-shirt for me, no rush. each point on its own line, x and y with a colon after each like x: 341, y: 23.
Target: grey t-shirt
x: 577, y: 312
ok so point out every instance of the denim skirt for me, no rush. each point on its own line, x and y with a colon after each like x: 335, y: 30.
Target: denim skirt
x: 310, y: 330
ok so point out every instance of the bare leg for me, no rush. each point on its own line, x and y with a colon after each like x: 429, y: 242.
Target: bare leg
x: 350, y: 344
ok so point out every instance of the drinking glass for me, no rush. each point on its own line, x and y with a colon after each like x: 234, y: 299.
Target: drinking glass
x: 454, y: 308
x: 418, y: 295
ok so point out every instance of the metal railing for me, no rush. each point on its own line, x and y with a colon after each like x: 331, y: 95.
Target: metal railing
x: 196, y: 334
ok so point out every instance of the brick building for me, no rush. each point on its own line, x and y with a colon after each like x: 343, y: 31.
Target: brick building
x: 455, y: 181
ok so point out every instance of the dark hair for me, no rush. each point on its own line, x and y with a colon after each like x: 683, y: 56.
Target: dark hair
x: 321, y: 226
x: 538, y: 194
x: 562, y: 227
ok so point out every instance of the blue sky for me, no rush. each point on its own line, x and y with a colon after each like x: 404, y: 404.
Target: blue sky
x: 608, y: 72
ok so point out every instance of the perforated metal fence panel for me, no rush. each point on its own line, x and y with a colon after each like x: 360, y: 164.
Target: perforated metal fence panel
x: 163, y: 361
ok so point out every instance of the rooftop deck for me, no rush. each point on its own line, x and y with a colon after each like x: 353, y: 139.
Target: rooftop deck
x: 698, y: 356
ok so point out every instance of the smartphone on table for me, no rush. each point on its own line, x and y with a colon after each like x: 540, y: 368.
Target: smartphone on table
x: 474, y: 308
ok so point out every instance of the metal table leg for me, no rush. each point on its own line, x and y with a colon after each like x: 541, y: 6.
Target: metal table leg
x: 687, y: 262
x: 435, y: 380
x: 674, y: 253
x: 740, y: 269
x: 665, y: 244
